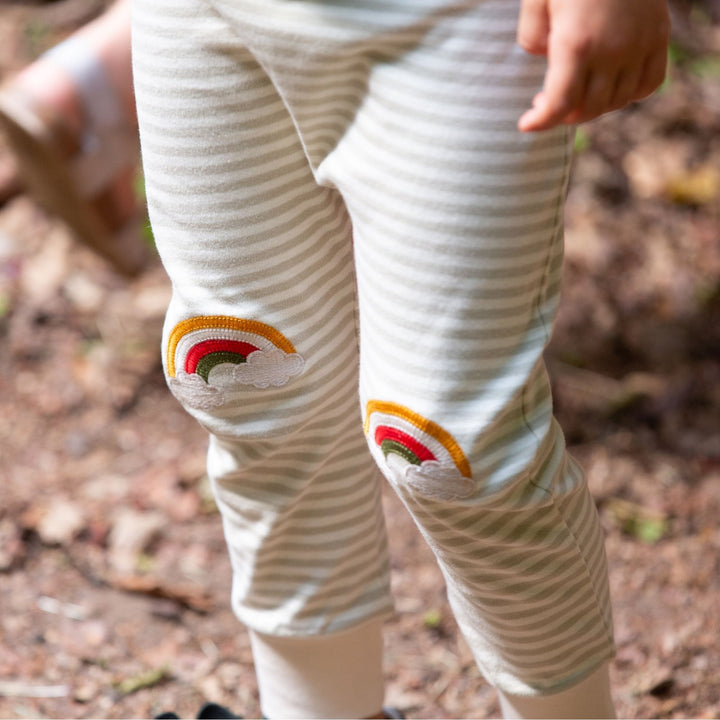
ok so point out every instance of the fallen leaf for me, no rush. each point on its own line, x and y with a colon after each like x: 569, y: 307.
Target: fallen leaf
x: 664, y: 169
x: 57, y: 607
x: 143, y: 680
x: 85, y: 294
x: 191, y: 597
x: 132, y: 533
x: 85, y: 691
x: 699, y: 186
x: 61, y: 523
x: 647, y: 525
x: 650, y: 165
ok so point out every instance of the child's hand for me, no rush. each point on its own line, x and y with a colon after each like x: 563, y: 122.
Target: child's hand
x: 602, y: 55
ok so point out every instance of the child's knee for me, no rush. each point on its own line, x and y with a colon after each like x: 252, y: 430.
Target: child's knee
x: 237, y: 377
x: 500, y: 463
x: 417, y: 454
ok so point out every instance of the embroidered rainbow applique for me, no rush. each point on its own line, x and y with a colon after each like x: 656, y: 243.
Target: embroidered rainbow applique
x: 209, y: 355
x: 418, y: 450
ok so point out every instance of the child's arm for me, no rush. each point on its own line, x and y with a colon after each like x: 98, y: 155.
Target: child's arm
x: 602, y: 55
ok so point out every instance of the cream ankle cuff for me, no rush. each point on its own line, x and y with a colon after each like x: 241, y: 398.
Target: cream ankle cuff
x: 326, y: 676
x: 590, y: 698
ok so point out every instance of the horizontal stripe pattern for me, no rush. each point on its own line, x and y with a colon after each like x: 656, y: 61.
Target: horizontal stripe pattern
x: 344, y: 170
x: 245, y: 232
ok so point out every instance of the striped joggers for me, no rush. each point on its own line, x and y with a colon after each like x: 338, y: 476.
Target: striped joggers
x: 341, y: 200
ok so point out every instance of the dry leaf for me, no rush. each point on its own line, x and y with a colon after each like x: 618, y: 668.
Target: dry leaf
x: 191, y: 597
x: 698, y: 186
x: 61, y: 523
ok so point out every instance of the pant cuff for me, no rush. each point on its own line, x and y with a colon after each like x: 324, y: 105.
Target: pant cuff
x: 326, y: 676
x: 589, y: 698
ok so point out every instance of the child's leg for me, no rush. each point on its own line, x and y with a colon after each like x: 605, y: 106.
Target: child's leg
x: 261, y: 346
x: 410, y: 111
x: 458, y: 237
x: 411, y: 114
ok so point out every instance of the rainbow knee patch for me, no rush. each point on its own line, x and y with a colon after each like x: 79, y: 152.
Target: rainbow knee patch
x: 418, y: 451
x: 208, y: 356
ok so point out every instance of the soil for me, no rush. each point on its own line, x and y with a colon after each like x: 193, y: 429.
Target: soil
x: 114, y: 578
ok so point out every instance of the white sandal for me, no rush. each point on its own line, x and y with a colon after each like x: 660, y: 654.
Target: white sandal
x: 65, y: 174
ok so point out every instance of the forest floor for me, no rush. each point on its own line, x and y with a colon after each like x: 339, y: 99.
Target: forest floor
x: 114, y: 577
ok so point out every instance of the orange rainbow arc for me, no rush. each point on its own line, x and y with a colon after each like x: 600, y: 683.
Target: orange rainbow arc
x: 223, y: 323
x: 428, y: 427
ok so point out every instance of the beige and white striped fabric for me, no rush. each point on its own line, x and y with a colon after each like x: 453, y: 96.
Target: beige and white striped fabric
x: 341, y: 199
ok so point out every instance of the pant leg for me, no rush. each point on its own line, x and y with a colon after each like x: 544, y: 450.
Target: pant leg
x: 260, y: 340
x: 458, y: 237
x: 458, y: 246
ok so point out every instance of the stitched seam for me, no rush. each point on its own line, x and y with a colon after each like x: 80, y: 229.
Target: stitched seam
x: 536, y: 308
x: 571, y: 533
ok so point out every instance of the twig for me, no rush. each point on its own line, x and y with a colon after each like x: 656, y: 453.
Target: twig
x: 23, y: 689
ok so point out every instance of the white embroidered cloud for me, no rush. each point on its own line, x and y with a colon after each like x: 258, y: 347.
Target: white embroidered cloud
x: 268, y: 367
x: 434, y: 480
x: 193, y: 391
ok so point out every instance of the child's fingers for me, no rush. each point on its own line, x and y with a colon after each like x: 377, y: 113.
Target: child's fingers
x: 653, y: 75
x: 626, y: 88
x: 598, y: 96
x: 602, y: 54
x: 533, y: 26
x: 633, y: 86
x: 542, y: 116
x: 561, y: 96
x: 528, y: 120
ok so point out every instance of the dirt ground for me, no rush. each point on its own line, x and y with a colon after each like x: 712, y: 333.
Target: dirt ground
x: 114, y: 578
